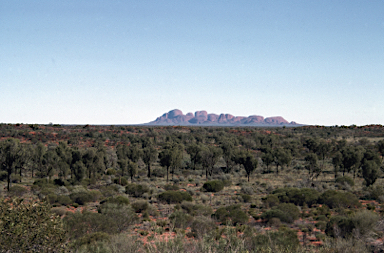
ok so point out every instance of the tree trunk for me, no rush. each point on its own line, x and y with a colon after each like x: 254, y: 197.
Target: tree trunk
x: 149, y: 170
x: 167, y: 173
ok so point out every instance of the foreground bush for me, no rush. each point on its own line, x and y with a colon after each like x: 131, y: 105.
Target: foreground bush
x: 30, y: 227
x: 297, y: 196
x: 174, y: 197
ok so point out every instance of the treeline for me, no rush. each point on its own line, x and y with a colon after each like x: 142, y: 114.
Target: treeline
x: 85, y: 153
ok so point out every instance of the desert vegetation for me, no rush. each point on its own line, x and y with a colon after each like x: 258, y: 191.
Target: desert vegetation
x: 191, y: 189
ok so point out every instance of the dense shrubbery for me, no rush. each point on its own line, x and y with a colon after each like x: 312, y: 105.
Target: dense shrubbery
x: 180, y: 219
x: 119, y: 200
x: 174, y: 197
x: 171, y: 187
x: 213, y: 186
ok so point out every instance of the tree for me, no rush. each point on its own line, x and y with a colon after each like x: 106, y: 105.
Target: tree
x: 337, y: 162
x: 370, y: 171
x: 268, y: 158
x: 193, y: 150
x: 208, y: 157
x: 282, y: 157
x: 228, y: 151
x: 132, y: 169
x: 248, y: 161
x: 149, y: 157
x: 11, y: 154
x: 171, y: 157
x: 49, y: 163
x: 312, y: 165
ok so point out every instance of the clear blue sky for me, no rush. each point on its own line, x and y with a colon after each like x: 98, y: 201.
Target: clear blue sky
x: 128, y: 62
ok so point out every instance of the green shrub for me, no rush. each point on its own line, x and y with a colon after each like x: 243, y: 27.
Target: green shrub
x: 335, y: 199
x: 322, y: 225
x: 93, y: 238
x: 174, y: 197
x: 136, y: 190
x: 213, y: 186
x: 140, y: 206
x: 339, y: 226
x: 344, y: 180
x: 171, y: 187
x: 231, y: 213
x: 59, y: 182
x: 375, y: 193
x: 180, y: 219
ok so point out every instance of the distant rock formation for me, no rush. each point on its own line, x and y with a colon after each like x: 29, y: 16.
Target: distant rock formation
x: 176, y: 117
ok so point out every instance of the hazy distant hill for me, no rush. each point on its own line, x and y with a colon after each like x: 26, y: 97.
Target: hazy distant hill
x: 176, y: 117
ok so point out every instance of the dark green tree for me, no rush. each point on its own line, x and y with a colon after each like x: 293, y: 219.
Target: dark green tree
x: 149, y: 157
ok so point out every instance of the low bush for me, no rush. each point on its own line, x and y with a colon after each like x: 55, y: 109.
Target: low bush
x: 136, y: 190
x: 283, y: 240
x: 3, y: 175
x: 231, y: 213
x: 174, y: 197
x: 196, y: 210
x: 270, y: 200
x: 213, y: 186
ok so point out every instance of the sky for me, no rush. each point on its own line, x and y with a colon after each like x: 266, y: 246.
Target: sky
x: 128, y: 62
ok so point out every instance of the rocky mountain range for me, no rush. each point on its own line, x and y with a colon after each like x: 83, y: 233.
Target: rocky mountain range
x: 176, y: 117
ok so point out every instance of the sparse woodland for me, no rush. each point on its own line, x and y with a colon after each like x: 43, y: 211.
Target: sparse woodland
x: 191, y: 189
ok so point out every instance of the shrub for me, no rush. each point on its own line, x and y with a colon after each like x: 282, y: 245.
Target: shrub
x: 136, y: 190
x: 246, y: 198
x: 121, y: 181
x: 119, y: 200
x: 171, y: 187
x: 232, y: 213
x: 213, y: 186
x: 345, y: 180
x: 339, y: 226
x: 270, y: 200
x: 196, y: 210
x: 335, y: 199
x: 283, y: 240
x: 297, y: 196
x: 60, y: 211
x: 180, y: 219
x: 140, y: 206
x: 174, y: 197
x: 59, y: 182
x: 159, y: 172
x: 93, y: 238
x: 286, y: 212
x: 81, y: 197
x: 202, y: 225
x: 17, y: 191
x: 110, y: 171
x: 3, y: 175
